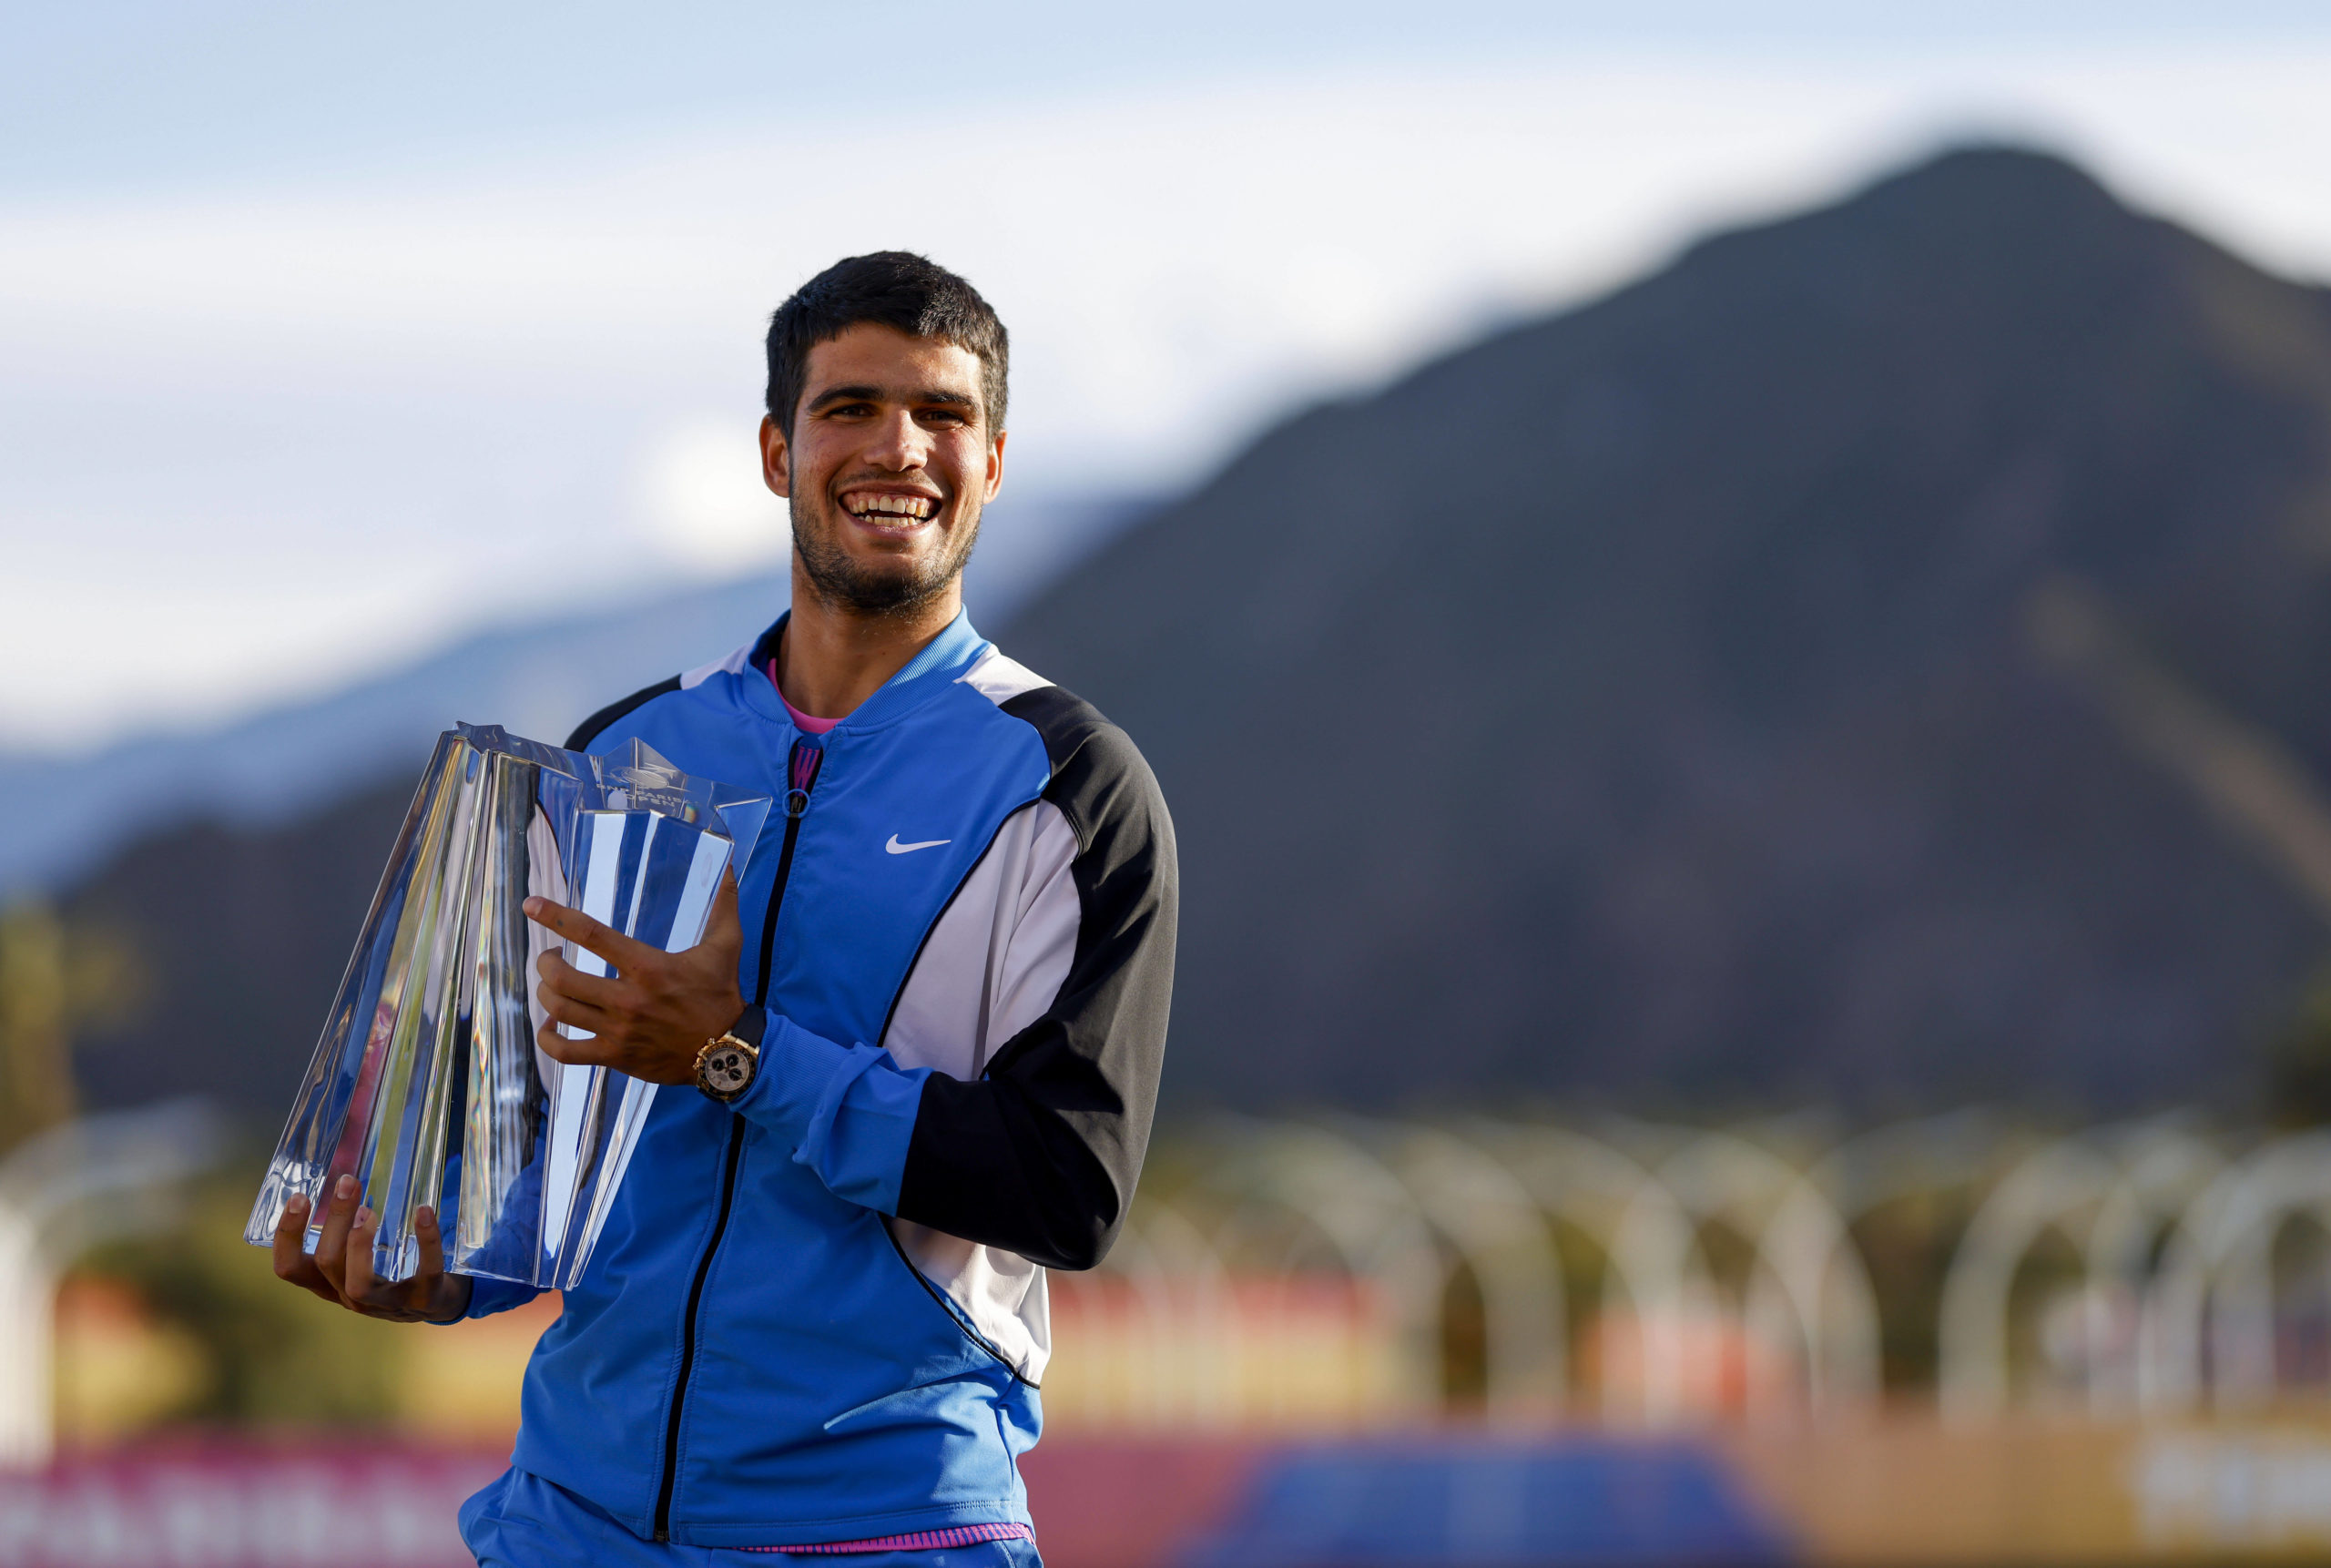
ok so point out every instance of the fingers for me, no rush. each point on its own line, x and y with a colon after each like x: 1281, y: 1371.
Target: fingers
x: 370, y: 1294
x: 342, y: 1270
x: 599, y: 991
x: 432, y: 1244
x: 435, y: 1295
x: 592, y: 1053
x: 358, y: 1282
x: 331, y: 1245
x: 576, y: 927
x: 652, y: 1017
x: 290, y: 1252
x: 723, y: 931
x: 565, y: 1008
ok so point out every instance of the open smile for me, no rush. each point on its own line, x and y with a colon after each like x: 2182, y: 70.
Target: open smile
x: 890, y: 510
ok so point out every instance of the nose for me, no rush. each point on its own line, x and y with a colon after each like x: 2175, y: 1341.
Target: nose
x: 899, y: 443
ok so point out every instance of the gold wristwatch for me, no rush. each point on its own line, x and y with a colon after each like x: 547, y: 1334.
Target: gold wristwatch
x: 725, y: 1067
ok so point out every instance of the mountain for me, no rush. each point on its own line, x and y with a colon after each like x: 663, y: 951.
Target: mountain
x: 1873, y: 660
x: 282, y: 763
x: 241, y: 893
x: 536, y: 679
x: 238, y: 936
x: 1877, y: 658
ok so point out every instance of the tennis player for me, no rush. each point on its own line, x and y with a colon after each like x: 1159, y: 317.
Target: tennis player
x: 911, y: 1066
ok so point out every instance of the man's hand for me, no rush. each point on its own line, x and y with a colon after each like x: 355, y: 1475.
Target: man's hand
x: 651, y: 1016
x: 342, y: 1270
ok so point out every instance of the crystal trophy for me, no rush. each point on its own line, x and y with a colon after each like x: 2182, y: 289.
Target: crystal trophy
x: 427, y: 1085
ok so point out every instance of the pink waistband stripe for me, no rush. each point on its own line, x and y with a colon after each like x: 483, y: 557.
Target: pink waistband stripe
x: 920, y: 1541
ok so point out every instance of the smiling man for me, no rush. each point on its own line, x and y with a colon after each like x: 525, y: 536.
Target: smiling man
x: 922, y: 1038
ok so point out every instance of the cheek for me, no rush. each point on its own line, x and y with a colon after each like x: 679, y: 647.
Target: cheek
x: 816, y: 460
x: 967, y: 464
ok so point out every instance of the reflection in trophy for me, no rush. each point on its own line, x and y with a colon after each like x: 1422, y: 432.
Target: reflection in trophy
x: 427, y: 1085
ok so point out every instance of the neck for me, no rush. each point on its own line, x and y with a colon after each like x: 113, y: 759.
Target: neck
x: 830, y: 659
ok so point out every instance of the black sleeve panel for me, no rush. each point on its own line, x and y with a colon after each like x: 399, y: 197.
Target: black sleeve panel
x: 592, y: 728
x: 1039, y: 1156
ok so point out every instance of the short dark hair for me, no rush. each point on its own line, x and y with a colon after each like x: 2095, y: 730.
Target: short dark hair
x: 898, y: 289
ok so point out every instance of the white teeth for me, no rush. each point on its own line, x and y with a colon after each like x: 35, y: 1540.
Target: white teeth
x: 915, y: 506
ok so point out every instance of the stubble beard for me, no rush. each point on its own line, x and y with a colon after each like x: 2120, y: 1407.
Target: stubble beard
x: 844, y: 584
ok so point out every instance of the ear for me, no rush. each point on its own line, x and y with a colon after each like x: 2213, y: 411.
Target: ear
x: 777, y: 459
x: 994, y: 466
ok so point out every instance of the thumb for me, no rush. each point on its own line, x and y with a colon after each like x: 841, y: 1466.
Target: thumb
x: 723, y: 931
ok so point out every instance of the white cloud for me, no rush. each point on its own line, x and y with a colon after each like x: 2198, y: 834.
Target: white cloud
x: 433, y: 400
x: 704, y: 501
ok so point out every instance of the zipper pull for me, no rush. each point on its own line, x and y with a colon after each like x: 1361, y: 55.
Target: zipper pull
x: 801, y: 765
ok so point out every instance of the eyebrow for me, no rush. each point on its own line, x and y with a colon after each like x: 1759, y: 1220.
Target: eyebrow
x: 929, y: 395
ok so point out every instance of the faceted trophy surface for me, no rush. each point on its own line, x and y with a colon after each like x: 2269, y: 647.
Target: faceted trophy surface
x: 427, y: 1085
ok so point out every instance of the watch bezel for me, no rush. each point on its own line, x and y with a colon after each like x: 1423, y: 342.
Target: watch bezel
x: 703, y: 1058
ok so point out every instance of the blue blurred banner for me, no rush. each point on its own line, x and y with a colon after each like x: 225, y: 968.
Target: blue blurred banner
x: 1490, y: 1505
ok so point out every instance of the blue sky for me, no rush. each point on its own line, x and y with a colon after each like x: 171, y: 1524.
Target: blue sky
x: 164, y: 92
x: 325, y: 334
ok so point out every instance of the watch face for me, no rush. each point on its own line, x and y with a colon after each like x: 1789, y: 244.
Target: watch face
x: 726, y: 1070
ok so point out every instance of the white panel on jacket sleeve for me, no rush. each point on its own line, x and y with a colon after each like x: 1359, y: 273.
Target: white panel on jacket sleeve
x: 733, y: 665
x: 999, y: 679
x: 999, y: 954
x: 993, y: 965
x: 1044, y: 941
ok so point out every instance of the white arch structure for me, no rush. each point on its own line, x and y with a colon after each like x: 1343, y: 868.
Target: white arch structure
x: 2215, y: 1285
x: 70, y: 1189
x: 1487, y: 1217
x: 1808, y: 1288
x: 2112, y: 1193
x: 2054, y: 1189
x: 1654, y: 1272
x: 2174, y: 1303
x: 2176, y: 1248
x: 1398, y: 1205
x: 1366, y: 1214
x: 2163, y: 1170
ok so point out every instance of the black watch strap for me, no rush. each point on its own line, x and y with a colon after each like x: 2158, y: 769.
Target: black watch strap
x: 751, y: 1025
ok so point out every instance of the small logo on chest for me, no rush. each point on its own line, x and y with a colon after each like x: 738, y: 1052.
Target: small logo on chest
x: 895, y: 847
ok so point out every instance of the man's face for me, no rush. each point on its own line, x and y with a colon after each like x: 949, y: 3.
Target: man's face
x: 890, y: 462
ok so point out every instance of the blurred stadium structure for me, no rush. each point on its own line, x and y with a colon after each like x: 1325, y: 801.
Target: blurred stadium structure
x: 1355, y: 1275
x: 72, y: 1187
x: 1954, y: 1339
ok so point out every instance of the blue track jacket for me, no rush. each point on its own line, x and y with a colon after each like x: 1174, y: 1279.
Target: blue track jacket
x: 817, y: 1314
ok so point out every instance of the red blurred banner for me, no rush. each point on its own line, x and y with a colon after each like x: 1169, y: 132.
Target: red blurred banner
x: 349, y: 1504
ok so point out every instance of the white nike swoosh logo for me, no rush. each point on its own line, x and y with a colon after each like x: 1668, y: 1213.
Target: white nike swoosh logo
x: 898, y: 849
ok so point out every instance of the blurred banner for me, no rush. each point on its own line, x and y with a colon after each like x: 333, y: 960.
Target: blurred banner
x: 1906, y: 1492
x: 346, y: 1503
x: 1900, y: 1491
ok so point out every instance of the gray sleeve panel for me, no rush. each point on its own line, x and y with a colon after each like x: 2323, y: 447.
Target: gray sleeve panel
x: 1040, y: 1153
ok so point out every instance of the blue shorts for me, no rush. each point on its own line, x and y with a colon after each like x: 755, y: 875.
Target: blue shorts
x: 521, y: 1521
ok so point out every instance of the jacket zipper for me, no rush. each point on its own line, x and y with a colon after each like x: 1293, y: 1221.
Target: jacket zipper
x: 802, y: 767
